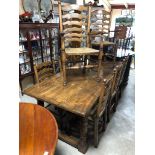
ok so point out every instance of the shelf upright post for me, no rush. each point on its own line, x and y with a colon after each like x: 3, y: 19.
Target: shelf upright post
x: 50, y: 44
x: 30, y: 52
x: 41, y: 46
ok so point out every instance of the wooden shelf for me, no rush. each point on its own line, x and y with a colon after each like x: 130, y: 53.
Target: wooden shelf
x: 35, y: 49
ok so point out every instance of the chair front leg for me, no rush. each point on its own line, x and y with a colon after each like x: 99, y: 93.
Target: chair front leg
x: 96, y: 139
x: 116, y: 102
x: 109, y: 109
x: 105, y: 119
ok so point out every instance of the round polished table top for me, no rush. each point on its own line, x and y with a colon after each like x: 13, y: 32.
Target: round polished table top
x: 38, y: 131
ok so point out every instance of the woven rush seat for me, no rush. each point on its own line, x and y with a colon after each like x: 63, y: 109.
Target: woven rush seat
x: 81, y: 51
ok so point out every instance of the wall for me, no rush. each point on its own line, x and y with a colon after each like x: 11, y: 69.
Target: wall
x: 114, y: 14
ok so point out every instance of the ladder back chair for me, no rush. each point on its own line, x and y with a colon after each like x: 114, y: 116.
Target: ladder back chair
x: 114, y: 91
x: 124, y: 63
x: 74, y: 23
x: 119, y: 38
x: 100, y: 22
x: 100, y: 28
x: 99, y: 112
x: 44, y: 70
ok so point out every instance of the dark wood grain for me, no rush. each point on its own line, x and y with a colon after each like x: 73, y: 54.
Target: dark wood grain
x: 38, y: 131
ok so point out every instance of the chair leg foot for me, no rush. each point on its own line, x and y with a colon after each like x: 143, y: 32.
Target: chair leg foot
x: 105, y: 119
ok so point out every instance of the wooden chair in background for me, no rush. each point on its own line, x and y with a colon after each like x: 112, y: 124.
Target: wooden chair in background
x: 44, y: 70
x: 114, y: 91
x: 119, y: 39
x: 74, y: 23
x: 100, y: 28
x: 125, y: 61
x: 99, y: 112
x: 100, y: 22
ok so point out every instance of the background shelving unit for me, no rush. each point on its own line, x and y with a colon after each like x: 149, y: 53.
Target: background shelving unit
x: 38, y: 42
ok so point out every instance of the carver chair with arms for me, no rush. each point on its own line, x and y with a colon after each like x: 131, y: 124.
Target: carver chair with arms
x: 100, y: 28
x: 74, y: 23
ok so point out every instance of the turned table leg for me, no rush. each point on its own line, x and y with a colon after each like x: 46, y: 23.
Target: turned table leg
x: 41, y: 103
x: 83, y: 144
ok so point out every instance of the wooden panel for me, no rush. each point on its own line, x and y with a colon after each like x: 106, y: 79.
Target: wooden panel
x: 77, y: 23
x: 74, y: 7
x: 38, y: 131
x: 101, y: 9
x: 95, y: 32
x: 37, y: 25
x: 73, y: 15
x: 73, y: 29
x: 73, y: 39
x: 100, y: 18
x: 70, y: 35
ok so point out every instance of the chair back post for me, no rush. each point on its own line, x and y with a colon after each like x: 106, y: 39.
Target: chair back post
x: 104, y: 95
x: 88, y: 26
x: 118, y: 76
x: 114, y: 80
x: 100, y: 103
x: 36, y: 74
x: 125, y: 61
x: 100, y: 56
x: 60, y: 24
